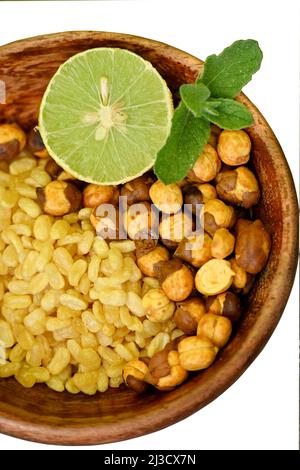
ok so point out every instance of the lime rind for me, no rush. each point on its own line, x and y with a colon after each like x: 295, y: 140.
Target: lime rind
x: 137, y: 105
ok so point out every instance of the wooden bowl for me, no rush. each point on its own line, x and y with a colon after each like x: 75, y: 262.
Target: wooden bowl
x: 40, y: 414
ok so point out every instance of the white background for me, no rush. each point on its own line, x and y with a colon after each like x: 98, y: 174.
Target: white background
x: 260, y: 411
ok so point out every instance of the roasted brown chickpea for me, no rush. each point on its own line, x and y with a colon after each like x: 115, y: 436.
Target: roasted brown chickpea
x: 216, y: 214
x: 241, y: 277
x: 145, y: 246
x: 242, y: 281
x: 140, y: 219
x: 169, y: 244
x: 208, y: 191
x: 182, y: 183
x: 222, y: 243
x: 4, y: 165
x: 53, y: 169
x: 216, y: 328
x: 107, y: 222
x: 65, y: 176
x: 197, y: 194
x: 234, y: 147
x: 57, y: 173
x: 195, y: 250
x: 134, y: 374
x: 214, y: 135
x: 188, y: 313
x: 192, y: 196
x: 214, y: 277
x: 196, y: 353
x: 238, y: 186
x: 137, y: 190
x: 149, y: 254
x: 206, y: 167
x: 176, y: 279
x: 12, y: 141
x: 167, y: 198
x: 226, y: 304
x: 59, y: 198
x: 158, y: 307
x: 253, y: 244
x: 36, y: 144
x: 175, y: 227
x: 165, y: 370
x: 248, y: 286
x: 96, y: 194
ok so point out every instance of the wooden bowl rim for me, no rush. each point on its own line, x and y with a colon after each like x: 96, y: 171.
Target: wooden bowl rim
x: 257, y: 337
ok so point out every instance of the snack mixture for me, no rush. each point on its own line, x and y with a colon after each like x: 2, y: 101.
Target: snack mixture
x: 82, y: 312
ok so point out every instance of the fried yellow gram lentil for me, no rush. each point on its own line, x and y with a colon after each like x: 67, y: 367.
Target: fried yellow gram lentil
x: 71, y: 304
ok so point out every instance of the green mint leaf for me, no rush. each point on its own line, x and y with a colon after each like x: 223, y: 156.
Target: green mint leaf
x: 229, y: 114
x: 226, y: 74
x: 194, y: 97
x: 185, y: 143
x: 210, y: 108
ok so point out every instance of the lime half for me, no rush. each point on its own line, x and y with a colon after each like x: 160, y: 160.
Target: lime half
x: 105, y: 115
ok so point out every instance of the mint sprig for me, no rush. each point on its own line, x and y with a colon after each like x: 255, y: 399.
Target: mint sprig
x: 227, y: 73
x: 228, y: 114
x: 195, y: 96
x: 208, y: 100
x: 188, y: 136
x: 225, y: 112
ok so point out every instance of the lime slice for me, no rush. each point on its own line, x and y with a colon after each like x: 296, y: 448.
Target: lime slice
x: 105, y: 115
